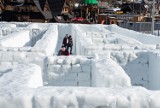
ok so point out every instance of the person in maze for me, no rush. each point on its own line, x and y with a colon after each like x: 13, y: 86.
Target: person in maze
x: 63, y: 51
x: 70, y: 44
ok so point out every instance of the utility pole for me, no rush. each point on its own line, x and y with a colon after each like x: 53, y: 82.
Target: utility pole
x: 133, y: 6
x: 153, y: 17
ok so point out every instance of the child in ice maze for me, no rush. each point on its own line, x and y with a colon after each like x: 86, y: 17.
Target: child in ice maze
x: 63, y: 51
x: 70, y: 44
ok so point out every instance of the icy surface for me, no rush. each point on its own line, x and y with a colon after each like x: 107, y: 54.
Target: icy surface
x: 111, y: 67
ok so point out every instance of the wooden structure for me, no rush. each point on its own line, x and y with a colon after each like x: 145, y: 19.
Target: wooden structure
x: 30, y: 10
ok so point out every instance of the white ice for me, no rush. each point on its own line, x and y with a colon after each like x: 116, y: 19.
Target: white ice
x: 111, y: 67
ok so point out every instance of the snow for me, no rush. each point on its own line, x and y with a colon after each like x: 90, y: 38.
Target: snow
x: 111, y: 67
x: 113, y: 77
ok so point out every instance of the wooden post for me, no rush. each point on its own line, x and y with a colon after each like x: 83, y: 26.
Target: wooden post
x: 87, y: 12
x: 153, y: 17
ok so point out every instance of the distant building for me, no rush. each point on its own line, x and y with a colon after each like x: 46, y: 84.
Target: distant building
x: 30, y: 10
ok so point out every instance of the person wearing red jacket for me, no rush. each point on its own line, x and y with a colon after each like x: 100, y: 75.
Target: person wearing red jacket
x: 63, y: 52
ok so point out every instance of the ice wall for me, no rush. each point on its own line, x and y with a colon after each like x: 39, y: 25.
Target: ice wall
x: 22, y: 75
x: 82, y: 71
x: 137, y: 67
x: 69, y: 71
x: 17, y: 39
x: 14, y: 57
x: 127, y: 52
x: 32, y: 95
x: 154, y: 73
x: 144, y: 38
x: 79, y: 70
x: 47, y: 44
x: 105, y: 75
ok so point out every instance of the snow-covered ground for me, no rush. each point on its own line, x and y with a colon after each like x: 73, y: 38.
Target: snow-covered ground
x: 111, y: 67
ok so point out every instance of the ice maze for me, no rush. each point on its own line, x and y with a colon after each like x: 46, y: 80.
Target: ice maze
x: 111, y: 67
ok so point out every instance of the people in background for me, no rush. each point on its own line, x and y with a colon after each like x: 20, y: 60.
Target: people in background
x: 70, y: 44
x: 65, y: 41
x: 63, y: 52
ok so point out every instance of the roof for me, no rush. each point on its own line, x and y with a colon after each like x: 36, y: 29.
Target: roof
x: 36, y: 15
x: 56, y: 6
x: 90, y: 2
x: 65, y: 5
x: 42, y: 3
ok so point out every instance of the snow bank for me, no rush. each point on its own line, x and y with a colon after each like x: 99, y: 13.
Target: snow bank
x: 144, y: 38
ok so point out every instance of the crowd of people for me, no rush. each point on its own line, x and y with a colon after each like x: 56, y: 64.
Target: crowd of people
x: 67, y: 44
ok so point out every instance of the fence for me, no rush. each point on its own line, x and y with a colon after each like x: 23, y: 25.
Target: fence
x: 144, y: 27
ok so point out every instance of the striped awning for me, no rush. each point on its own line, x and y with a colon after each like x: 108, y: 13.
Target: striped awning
x: 90, y: 2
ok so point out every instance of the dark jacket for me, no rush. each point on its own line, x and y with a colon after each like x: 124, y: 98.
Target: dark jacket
x: 70, y: 42
x: 65, y: 41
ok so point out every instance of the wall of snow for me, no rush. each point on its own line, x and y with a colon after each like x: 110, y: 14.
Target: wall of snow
x: 80, y: 71
x: 47, y: 44
x: 144, y: 38
x: 36, y: 34
x: 31, y: 94
x: 21, y: 56
x: 17, y: 39
x: 22, y: 75
x: 4, y: 31
x: 134, y: 62
x: 80, y: 40
x: 88, y: 28
x: 105, y: 75
x: 137, y: 67
x: 32, y: 40
x: 41, y: 26
x: 110, y: 38
x: 69, y: 71
x: 7, y: 28
x: 154, y: 73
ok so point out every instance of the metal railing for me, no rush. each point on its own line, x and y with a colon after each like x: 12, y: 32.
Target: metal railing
x: 144, y: 27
